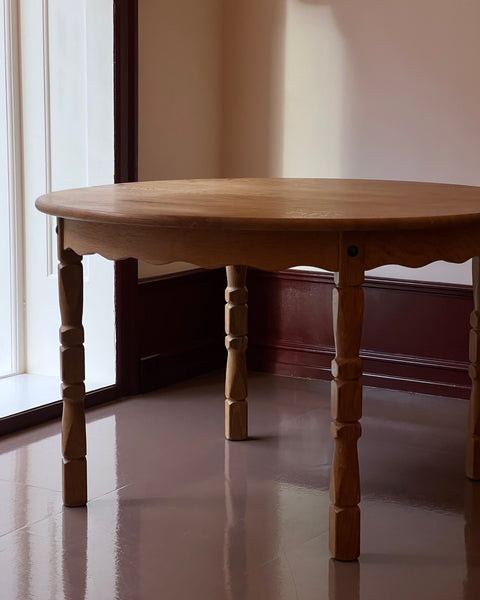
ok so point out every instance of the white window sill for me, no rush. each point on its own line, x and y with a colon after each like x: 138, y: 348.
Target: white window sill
x: 19, y: 393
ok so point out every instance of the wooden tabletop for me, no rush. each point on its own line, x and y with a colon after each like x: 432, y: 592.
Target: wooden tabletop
x: 271, y: 204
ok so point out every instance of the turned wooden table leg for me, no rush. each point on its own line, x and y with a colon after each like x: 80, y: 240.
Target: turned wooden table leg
x: 72, y: 366
x: 236, y: 324
x: 346, y: 405
x: 473, y: 440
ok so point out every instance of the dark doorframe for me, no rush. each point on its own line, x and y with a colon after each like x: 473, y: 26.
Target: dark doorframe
x: 125, y: 56
x: 126, y: 169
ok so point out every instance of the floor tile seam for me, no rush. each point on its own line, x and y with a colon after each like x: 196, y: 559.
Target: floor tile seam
x: 290, y: 570
x: 34, y: 522
x: 117, y: 489
x: 278, y: 555
x: 57, y: 490
x: 29, y: 485
x: 305, y: 541
x: 282, y: 550
x: 55, y: 513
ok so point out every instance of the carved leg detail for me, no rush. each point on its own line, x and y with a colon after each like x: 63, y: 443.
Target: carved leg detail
x: 473, y: 440
x: 72, y: 365
x: 346, y: 407
x: 236, y: 324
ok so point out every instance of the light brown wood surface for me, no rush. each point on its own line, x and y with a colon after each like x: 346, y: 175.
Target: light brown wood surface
x: 265, y: 250
x: 346, y: 400
x: 271, y: 204
x: 72, y: 372
x: 345, y: 226
x: 236, y: 326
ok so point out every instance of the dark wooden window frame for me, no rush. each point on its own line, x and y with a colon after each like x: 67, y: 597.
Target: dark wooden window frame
x: 126, y: 169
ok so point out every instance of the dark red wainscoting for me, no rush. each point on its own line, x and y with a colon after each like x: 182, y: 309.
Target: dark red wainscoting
x: 415, y: 334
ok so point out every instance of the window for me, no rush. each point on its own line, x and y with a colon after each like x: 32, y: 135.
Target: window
x: 63, y: 90
x: 11, y: 258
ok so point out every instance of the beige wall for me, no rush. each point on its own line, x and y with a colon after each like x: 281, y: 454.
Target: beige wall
x: 252, y: 85
x: 319, y: 88
x: 179, y: 88
x: 179, y: 93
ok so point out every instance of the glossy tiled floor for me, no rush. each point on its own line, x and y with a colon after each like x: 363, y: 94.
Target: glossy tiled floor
x: 178, y: 513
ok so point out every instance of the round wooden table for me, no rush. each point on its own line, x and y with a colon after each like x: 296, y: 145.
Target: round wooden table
x: 345, y: 226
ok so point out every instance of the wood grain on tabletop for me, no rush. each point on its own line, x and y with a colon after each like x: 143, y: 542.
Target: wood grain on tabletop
x: 268, y: 204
